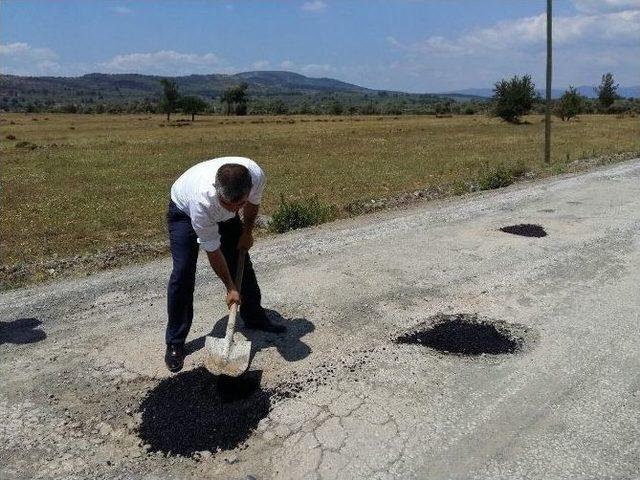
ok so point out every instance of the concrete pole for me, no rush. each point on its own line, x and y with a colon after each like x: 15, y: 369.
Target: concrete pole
x: 547, y: 113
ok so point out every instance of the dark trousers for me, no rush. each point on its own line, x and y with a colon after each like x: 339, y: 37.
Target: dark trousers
x: 184, y: 250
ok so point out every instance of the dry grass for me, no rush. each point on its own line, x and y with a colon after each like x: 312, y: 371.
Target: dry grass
x: 86, y: 182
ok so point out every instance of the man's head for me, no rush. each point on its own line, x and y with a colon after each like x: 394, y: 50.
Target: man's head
x: 233, y: 184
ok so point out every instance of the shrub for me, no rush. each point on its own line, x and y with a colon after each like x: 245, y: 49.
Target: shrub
x: 570, y: 104
x: 29, y: 145
x: 501, y: 176
x: 607, y: 91
x: 293, y: 214
x: 513, y: 98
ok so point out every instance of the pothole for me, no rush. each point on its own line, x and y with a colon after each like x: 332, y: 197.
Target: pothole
x: 525, y: 230
x: 467, y: 334
x: 193, y: 411
x: 196, y: 411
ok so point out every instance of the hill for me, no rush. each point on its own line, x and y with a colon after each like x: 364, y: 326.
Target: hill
x: 268, y: 92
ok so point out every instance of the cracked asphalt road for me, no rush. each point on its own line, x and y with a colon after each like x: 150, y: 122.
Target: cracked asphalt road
x: 78, y: 357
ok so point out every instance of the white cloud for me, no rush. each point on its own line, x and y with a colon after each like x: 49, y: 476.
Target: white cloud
x: 618, y: 27
x: 317, y: 69
x: 20, y: 50
x: 599, y: 6
x: 260, y: 65
x: 163, y: 62
x: 314, y: 6
x: 393, y: 41
x: 586, y: 45
x: 20, y: 58
x: 123, y: 10
x: 288, y: 64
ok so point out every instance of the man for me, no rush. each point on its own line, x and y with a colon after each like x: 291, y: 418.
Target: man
x: 204, y: 207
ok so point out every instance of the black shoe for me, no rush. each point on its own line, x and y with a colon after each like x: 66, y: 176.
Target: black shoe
x: 174, y: 357
x: 262, y: 322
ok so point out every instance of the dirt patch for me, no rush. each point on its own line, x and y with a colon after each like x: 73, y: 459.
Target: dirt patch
x: 193, y: 412
x: 466, y: 334
x: 525, y: 230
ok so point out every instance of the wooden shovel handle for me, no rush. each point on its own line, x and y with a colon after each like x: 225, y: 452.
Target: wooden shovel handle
x: 233, y: 312
x: 240, y: 269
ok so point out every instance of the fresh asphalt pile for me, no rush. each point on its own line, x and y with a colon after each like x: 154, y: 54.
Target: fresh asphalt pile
x: 464, y: 334
x: 188, y: 413
x: 525, y: 230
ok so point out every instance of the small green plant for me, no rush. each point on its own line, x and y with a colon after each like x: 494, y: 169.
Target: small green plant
x: 500, y: 176
x: 293, y: 214
x: 559, y: 169
x: 460, y: 187
x: 29, y: 145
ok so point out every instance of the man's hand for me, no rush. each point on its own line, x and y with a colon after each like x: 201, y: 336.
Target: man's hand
x: 245, y: 242
x: 233, y: 296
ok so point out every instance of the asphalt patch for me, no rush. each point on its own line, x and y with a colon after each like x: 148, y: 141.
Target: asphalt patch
x: 197, y: 411
x: 464, y: 334
x: 525, y: 230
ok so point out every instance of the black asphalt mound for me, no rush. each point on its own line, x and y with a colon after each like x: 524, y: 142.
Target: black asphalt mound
x: 196, y: 411
x: 463, y: 334
x: 21, y: 331
x: 525, y: 230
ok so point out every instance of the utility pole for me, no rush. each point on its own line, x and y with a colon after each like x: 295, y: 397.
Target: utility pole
x: 547, y: 112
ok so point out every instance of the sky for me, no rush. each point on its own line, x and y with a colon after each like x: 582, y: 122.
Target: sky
x: 407, y: 45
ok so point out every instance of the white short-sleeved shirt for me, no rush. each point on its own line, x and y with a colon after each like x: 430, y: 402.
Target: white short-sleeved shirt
x: 195, y: 194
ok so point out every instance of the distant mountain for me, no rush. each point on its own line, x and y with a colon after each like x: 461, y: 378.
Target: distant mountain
x: 267, y: 91
x: 586, y: 90
x: 116, y: 87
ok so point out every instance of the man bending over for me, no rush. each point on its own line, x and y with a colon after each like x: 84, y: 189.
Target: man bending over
x: 204, y: 207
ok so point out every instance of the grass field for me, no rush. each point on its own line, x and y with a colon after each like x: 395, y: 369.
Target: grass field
x: 82, y: 183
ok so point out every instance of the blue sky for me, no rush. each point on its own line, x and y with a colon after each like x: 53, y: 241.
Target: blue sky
x: 411, y: 45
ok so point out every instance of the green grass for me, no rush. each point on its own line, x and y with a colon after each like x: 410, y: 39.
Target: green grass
x: 83, y: 183
x: 293, y: 214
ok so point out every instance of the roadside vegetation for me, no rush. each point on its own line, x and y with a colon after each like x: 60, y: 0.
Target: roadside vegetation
x: 77, y: 186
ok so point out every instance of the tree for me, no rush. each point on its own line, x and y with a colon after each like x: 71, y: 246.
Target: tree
x: 368, y: 109
x: 192, y: 105
x: 170, y: 97
x: 570, y: 105
x: 336, y: 108
x: 607, y: 91
x: 278, y: 107
x: 513, y: 98
x: 235, y: 99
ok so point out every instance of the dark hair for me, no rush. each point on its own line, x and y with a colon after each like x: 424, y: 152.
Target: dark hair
x: 233, y: 182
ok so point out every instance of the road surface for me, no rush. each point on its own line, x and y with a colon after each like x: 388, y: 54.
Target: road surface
x: 85, y: 394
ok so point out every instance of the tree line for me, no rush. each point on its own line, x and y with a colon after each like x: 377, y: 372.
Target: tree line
x: 515, y: 97
x: 512, y: 98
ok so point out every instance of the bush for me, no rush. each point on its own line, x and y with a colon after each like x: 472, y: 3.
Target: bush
x: 29, y: 145
x: 501, y: 176
x: 513, y: 98
x: 293, y: 214
x: 570, y: 105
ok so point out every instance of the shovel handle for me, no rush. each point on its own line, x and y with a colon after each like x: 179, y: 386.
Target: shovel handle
x: 233, y: 312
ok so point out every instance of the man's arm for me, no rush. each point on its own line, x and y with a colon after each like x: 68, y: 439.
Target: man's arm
x: 249, y: 214
x: 219, y: 265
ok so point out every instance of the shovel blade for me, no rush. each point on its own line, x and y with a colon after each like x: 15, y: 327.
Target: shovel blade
x: 236, y: 360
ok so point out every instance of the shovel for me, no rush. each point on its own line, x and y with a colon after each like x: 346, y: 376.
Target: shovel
x: 229, y: 355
